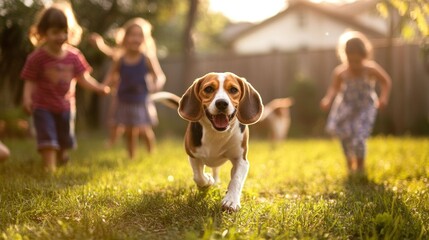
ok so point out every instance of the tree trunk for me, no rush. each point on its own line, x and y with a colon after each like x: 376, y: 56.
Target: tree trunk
x: 188, y: 43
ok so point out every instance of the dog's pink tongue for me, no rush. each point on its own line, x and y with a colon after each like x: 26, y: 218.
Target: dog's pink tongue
x: 220, y: 121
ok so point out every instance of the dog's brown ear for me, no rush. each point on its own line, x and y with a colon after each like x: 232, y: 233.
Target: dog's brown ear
x: 190, y: 107
x: 250, y: 107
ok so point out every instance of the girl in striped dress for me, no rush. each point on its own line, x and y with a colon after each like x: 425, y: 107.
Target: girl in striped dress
x: 353, y: 98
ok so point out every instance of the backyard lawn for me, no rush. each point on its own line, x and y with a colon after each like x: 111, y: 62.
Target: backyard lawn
x: 296, y: 189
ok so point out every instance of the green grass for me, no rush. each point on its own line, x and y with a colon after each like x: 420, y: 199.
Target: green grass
x: 299, y: 189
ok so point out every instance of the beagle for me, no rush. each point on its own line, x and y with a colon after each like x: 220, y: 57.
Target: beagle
x: 277, y: 115
x: 219, y: 106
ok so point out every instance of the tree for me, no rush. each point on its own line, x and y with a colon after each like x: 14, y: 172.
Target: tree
x: 208, y: 29
x: 188, y: 40
x: 408, y: 19
x: 14, y: 47
x: 168, y: 17
x: 412, y: 21
x: 15, y: 22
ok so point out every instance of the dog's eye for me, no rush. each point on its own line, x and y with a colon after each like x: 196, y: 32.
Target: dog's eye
x: 209, y: 89
x: 233, y: 90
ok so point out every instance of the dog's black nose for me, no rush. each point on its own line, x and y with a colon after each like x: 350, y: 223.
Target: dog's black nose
x: 221, y: 104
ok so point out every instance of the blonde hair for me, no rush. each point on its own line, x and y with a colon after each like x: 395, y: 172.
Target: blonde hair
x: 148, y: 45
x: 58, y: 15
x: 354, y: 42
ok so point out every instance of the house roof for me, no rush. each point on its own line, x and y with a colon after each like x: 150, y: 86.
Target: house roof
x: 357, y: 7
x: 337, y: 13
x: 231, y: 31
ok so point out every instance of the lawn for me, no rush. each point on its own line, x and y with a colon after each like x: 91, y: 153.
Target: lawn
x: 296, y: 189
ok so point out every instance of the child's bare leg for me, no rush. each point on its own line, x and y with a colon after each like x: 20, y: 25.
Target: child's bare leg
x: 349, y: 154
x: 115, y: 131
x: 360, y: 148
x: 113, y: 135
x: 351, y: 164
x: 49, y: 156
x: 132, y: 138
x: 354, y: 163
x: 62, y: 157
x: 149, y: 137
x: 119, y: 132
x: 360, y: 165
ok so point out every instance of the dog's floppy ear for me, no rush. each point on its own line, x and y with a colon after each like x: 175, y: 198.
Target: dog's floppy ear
x: 190, y: 107
x: 250, y: 107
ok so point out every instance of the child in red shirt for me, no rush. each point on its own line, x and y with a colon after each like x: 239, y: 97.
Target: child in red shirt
x: 50, y: 73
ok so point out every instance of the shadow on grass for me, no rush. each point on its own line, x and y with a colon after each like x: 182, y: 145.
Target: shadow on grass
x: 23, y: 168
x: 375, y: 211
x: 170, y: 213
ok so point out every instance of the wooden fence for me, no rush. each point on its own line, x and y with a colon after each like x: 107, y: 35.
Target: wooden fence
x: 306, y: 75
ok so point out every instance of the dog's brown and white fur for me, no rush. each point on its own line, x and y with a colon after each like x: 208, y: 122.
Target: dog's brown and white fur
x: 219, y: 106
x: 277, y: 115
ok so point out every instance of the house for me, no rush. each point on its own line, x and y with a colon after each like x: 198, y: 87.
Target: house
x: 306, y: 25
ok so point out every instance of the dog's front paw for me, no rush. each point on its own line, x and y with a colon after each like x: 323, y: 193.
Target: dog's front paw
x: 231, y: 203
x: 205, y: 181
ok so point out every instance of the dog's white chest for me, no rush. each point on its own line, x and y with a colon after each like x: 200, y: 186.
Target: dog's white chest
x: 217, y: 148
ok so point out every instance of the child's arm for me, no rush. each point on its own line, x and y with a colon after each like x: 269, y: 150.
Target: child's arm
x: 333, y: 89
x: 150, y: 83
x: 28, y: 91
x: 98, y: 42
x: 88, y: 82
x: 158, y: 76
x: 385, y: 84
x: 112, y: 76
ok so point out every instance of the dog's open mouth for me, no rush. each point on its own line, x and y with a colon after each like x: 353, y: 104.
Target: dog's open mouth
x: 220, y: 121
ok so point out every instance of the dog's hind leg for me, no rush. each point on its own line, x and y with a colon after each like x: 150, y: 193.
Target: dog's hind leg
x: 201, y: 178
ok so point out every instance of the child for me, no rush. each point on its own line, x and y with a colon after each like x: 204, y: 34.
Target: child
x: 139, y: 73
x: 115, y: 129
x: 354, y: 109
x: 50, y: 73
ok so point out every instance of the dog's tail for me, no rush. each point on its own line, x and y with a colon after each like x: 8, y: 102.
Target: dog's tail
x: 166, y: 98
x: 275, y: 104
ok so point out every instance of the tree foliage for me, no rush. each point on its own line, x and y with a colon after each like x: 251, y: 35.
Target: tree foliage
x: 413, y: 20
x: 409, y: 19
x: 208, y: 29
x: 14, y: 46
x: 168, y: 18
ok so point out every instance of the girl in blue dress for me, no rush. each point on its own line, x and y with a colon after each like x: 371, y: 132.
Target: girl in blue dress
x: 353, y: 98
x: 137, y: 73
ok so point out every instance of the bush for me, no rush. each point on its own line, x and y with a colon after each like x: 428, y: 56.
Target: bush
x: 307, y: 118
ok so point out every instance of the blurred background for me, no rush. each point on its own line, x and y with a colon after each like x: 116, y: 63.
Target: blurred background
x: 283, y: 48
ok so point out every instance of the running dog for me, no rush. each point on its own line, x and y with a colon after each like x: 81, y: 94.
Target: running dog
x: 219, y: 106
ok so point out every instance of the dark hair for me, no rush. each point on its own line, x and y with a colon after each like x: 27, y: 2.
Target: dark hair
x: 356, y: 46
x: 60, y: 15
x: 52, y: 18
x: 354, y: 42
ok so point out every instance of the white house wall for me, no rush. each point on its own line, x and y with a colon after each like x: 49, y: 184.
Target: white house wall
x: 376, y: 22
x: 284, y: 34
